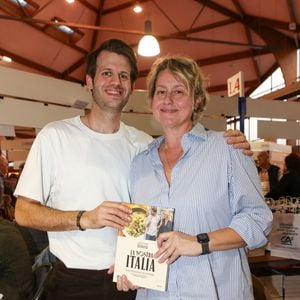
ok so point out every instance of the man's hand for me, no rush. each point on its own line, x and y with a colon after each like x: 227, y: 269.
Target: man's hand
x: 111, y: 214
x: 238, y: 140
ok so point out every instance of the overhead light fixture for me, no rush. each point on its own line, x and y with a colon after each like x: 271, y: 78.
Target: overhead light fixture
x: 148, y: 45
x: 137, y: 8
x: 5, y: 58
x: 70, y: 1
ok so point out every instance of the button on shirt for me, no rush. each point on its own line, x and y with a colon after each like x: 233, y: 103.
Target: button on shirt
x: 213, y: 186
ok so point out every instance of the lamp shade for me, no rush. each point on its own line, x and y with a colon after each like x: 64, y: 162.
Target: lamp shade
x: 148, y: 45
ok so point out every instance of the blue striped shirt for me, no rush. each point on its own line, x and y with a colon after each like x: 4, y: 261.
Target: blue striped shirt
x: 213, y: 186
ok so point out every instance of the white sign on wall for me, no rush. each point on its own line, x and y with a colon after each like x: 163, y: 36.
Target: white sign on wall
x: 235, y: 85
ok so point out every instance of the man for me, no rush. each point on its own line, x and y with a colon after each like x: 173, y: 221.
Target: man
x: 151, y: 224
x: 296, y: 150
x: 16, y: 277
x: 75, y: 179
x: 269, y: 174
x: 3, y: 171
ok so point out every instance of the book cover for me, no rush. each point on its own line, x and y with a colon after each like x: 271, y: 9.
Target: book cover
x: 137, y: 245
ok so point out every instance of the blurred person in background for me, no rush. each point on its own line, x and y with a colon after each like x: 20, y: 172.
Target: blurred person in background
x: 296, y: 150
x: 6, y: 205
x: 3, y: 172
x: 16, y: 276
x: 269, y: 174
x: 289, y: 184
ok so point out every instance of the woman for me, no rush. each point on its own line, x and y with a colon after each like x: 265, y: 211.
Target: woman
x: 215, y: 190
x: 165, y: 224
x: 289, y: 184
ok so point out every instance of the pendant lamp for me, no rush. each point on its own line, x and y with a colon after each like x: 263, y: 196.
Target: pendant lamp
x: 148, y: 45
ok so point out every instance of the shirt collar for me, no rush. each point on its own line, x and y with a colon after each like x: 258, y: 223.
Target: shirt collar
x: 198, y: 132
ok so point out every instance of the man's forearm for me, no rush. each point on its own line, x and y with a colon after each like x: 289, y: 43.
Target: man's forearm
x: 31, y: 213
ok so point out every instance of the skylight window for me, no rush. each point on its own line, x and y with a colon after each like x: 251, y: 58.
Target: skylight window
x: 61, y: 31
x: 65, y: 29
x: 271, y: 84
x: 19, y: 8
x: 23, y: 3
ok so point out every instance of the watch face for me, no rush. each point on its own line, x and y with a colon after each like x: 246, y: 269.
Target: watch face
x: 203, y: 238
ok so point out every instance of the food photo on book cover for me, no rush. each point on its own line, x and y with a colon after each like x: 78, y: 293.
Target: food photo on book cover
x: 137, y: 245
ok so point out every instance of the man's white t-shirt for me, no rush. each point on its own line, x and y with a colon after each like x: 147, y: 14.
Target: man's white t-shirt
x: 71, y: 167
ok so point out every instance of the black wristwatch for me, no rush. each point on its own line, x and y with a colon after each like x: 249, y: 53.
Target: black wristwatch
x: 203, y: 239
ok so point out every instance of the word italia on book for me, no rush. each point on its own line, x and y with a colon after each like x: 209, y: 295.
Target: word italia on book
x: 137, y: 245
x: 140, y: 260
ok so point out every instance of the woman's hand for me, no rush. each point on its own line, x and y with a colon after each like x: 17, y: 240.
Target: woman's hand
x: 238, y: 140
x: 123, y: 284
x: 174, y: 244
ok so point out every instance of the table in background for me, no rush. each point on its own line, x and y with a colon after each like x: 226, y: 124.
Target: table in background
x: 268, y: 265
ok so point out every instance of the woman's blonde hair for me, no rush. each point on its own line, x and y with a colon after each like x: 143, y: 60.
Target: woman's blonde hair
x: 188, y: 72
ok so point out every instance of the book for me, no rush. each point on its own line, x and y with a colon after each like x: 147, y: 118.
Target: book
x: 136, y: 246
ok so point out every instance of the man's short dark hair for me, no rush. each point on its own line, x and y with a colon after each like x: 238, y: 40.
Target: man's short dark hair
x: 115, y: 46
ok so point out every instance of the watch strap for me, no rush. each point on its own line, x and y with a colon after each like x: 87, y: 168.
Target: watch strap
x: 203, y: 239
x: 205, y: 248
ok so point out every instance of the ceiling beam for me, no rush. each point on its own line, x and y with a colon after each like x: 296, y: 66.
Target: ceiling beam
x: 89, y: 5
x: 292, y: 14
x: 212, y: 41
x: 282, y: 46
x: 121, y: 6
x: 252, y: 21
x: 29, y: 63
x: 166, y: 16
x: 81, y: 61
x: 33, y: 65
x: 210, y: 26
x: 32, y: 22
x: 42, y: 7
x: 71, y: 24
x: 285, y: 93
x: 197, y: 16
x: 72, y: 68
x: 221, y: 9
x: 249, y: 37
x: 231, y: 57
x: 221, y: 59
x: 97, y: 22
x: 274, y: 23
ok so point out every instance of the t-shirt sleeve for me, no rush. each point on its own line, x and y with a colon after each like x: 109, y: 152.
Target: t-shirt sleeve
x: 39, y: 171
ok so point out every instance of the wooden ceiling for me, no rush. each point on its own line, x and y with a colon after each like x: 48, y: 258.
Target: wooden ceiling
x: 224, y: 36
